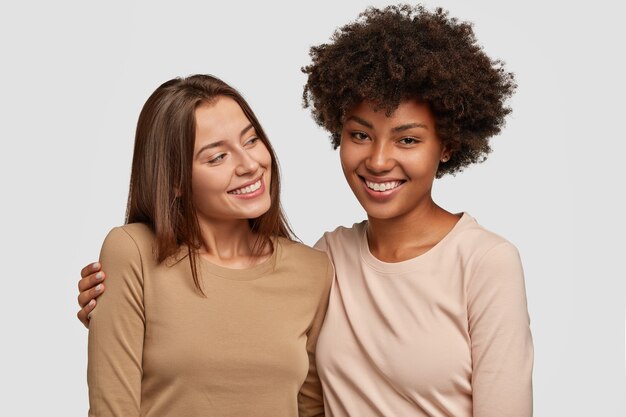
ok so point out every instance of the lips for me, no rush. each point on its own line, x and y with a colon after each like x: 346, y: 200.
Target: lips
x: 381, y: 185
x: 248, y: 188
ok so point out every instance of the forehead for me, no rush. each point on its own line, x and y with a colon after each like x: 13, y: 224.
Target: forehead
x: 408, y: 111
x: 220, y: 119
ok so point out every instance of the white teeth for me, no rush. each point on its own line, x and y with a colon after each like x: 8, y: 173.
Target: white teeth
x: 247, y: 190
x: 382, y: 186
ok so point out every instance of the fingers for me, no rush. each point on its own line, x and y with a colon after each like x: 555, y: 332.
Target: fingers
x: 90, y: 286
x: 90, y: 281
x: 83, y: 313
x: 90, y: 294
x: 90, y: 269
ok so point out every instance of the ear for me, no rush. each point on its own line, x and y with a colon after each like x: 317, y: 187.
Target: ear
x: 446, y: 154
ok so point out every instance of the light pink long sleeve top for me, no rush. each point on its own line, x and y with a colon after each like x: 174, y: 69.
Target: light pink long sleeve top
x: 445, y: 334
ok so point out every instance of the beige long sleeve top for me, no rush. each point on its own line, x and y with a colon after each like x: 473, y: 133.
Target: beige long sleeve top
x: 445, y: 334
x: 158, y: 348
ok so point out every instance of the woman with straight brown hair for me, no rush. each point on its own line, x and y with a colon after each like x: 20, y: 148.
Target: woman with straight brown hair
x: 211, y: 308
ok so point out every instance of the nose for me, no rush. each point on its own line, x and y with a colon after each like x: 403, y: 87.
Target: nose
x: 379, y: 159
x: 246, y: 164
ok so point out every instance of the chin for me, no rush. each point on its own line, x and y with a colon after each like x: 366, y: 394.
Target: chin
x: 256, y: 212
x: 383, y: 211
x: 382, y: 214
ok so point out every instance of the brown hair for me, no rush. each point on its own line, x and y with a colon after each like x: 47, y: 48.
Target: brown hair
x: 404, y: 52
x: 160, y: 183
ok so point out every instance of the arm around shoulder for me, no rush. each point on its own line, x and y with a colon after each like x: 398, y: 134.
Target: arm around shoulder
x: 499, y: 326
x: 116, y: 331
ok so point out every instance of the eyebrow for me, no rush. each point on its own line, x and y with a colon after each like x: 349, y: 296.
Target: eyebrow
x: 400, y: 128
x: 209, y: 146
x: 245, y: 129
x: 408, y: 126
x: 361, y: 121
x: 221, y: 142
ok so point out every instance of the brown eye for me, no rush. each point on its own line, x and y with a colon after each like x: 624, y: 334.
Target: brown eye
x: 359, y: 136
x: 408, y: 141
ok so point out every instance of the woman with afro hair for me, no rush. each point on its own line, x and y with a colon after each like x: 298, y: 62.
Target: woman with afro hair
x: 427, y: 315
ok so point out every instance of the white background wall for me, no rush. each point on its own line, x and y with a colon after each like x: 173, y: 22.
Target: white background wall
x: 75, y: 74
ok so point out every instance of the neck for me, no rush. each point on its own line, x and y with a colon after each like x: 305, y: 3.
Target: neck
x: 409, y: 235
x: 228, y: 242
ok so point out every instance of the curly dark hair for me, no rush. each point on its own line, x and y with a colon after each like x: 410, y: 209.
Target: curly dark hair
x: 407, y: 52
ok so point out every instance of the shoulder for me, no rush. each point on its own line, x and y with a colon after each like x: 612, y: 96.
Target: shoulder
x: 140, y: 233
x: 477, y: 242
x: 129, y: 241
x: 341, y: 236
x: 489, y: 258
x: 310, y: 263
x: 124, y: 264
x: 302, y: 254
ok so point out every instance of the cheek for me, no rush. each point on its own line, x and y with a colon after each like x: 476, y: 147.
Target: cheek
x: 347, y: 155
x: 206, y: 184
x: 262, y: 155
x: 266, y: 159
x: 419, y: 166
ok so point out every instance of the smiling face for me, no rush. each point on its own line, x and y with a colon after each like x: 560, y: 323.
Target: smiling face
x: 231, y: 171
x: 391, y: 162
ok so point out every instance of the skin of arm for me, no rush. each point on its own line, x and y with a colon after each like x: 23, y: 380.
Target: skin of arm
x: 116, y: 332
x: 501, y: 343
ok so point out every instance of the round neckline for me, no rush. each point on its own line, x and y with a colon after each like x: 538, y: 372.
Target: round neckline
x: 244, y: 274
x: 408, y: 264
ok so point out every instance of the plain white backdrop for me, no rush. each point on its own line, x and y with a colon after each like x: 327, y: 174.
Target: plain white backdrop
x: 75, y: 75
